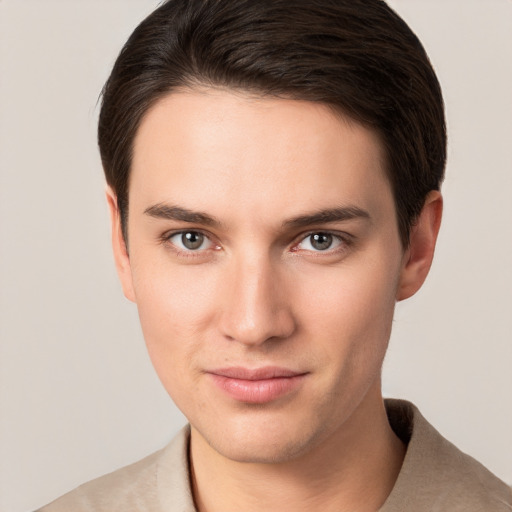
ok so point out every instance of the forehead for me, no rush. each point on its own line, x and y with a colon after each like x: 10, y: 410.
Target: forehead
x: 217, y: 148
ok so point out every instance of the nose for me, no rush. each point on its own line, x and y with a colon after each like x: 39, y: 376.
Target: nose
x: 257, y: 306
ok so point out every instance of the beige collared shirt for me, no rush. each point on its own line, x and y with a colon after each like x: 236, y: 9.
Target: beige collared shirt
x: 435, y: 477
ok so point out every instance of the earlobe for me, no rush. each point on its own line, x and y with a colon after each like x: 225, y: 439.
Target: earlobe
x: 121, y: 257
x: 420, y: 253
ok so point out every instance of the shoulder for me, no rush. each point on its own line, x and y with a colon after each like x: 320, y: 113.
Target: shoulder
x: 438, y: 476
x: 135, y: 487
x: 112, y: 490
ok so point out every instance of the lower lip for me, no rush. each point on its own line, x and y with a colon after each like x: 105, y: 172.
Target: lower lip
x: 257, y: 391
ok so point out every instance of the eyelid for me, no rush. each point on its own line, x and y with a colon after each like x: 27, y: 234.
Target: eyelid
x: 165, y: 239
x: 346, y: 240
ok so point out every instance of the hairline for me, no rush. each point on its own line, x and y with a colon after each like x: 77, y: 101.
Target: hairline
x: 193, y: 84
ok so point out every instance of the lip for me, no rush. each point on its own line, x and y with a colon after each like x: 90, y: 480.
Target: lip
x: 257, y: 386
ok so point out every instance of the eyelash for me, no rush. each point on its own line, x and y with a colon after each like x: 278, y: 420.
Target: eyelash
x: 345, y: 242
x: 165, y: 239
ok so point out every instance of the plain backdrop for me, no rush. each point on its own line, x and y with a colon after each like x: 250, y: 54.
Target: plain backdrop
x: 78, y: 396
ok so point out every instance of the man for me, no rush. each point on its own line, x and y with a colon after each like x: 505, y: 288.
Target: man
x: 274, y: 172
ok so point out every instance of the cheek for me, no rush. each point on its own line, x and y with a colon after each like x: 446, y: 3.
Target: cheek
x: 170, y: 295
x: 175, y: 305
x: 351, y: 296
x: 351, y: 314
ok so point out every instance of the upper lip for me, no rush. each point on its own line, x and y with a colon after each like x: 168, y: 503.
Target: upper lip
x: 267, y: 372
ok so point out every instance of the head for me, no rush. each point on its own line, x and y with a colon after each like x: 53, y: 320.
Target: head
x: 272, y: 173
x: 358, y: 57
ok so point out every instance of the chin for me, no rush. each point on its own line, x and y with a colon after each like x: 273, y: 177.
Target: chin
x: 270, y: 441
x: 270, y: 452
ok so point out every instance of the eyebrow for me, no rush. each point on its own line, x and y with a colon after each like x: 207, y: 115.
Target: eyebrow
x: 329, y: 215
x: 171, y: 212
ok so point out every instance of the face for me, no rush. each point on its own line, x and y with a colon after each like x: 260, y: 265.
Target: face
x: 265, y: 262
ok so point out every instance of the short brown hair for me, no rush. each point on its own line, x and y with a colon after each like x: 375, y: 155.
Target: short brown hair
x: 357, y: 56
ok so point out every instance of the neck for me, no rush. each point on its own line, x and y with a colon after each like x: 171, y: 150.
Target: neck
x: 353, y: 469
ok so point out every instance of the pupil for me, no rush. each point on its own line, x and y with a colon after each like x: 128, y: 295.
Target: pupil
x: 321, y: 241
x: 192, y: 240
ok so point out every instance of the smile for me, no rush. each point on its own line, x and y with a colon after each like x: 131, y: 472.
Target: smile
x: 257, y: 386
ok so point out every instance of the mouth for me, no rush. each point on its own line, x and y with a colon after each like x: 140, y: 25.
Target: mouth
x: 257, y: 386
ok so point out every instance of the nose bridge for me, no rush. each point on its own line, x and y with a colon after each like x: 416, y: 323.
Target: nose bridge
x: 255, y: 311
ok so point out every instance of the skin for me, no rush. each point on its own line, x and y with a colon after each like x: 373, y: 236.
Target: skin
x: 257, y: 292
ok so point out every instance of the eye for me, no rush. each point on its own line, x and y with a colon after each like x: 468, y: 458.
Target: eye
x: 319, y: 242
x: 190, y: 241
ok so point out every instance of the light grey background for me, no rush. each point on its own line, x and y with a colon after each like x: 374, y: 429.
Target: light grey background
x: 78, y: 396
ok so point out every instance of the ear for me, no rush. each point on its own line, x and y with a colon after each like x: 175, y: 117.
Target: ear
x: 418, y: 256
x: 121, y: 257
